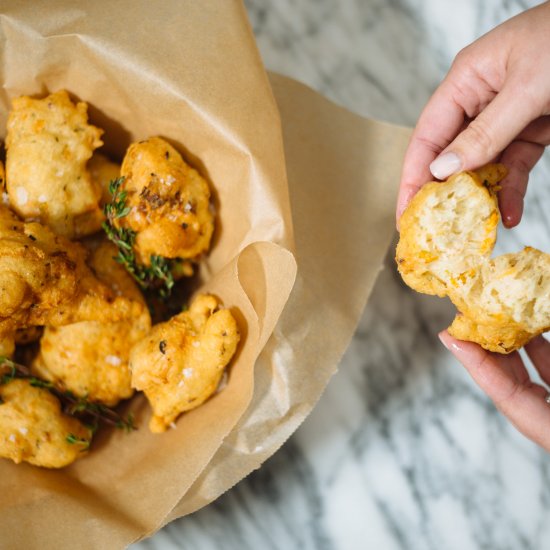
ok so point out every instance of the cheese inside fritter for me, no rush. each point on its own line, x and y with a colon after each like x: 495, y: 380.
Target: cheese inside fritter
x: 447, y: 234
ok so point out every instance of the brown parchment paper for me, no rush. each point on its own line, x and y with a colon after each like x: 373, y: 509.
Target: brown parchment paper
x: 190, y: 72
x: 343, y: 173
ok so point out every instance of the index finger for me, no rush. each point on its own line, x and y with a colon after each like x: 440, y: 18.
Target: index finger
x: 439, y: 123
x: 521, y: 401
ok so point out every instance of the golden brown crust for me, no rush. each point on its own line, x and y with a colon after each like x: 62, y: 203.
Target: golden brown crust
x: 48, y: 143
x: 34, y: 430
x: 180, y: 364
x: 169, y: 201
x: 501, y: 336
x: 44, y: 280
x: 90, y: 358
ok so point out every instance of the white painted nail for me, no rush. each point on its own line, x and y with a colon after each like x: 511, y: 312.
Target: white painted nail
x: 442, y: 340
x: 445, y: 165
x: 456, y: 347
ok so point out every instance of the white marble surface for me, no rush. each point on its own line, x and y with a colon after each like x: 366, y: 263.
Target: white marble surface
x: 402, y: 451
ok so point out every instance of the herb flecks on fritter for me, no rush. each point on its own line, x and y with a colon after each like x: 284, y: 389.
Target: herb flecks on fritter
x: 33, y: 428
x: 168, y: 200
x: 160, y: 212
x: 180, y: 364
x: 44, y: 280
x: 48, y: 144
x: 161, y: 272
x: 90, y: 358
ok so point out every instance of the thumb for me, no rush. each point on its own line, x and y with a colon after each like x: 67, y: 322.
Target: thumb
x: 488, y: 134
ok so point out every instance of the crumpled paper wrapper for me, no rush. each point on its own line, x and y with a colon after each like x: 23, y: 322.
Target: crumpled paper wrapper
x: 294, y: 257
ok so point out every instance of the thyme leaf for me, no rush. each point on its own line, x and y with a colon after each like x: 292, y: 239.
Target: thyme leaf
x: 72, y: 405
x: 158, y: 275
x: 38, y: 383
x: 74, y: 440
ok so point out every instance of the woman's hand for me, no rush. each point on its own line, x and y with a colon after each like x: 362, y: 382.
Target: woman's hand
x: 493, y: 104
x: 505, y: 380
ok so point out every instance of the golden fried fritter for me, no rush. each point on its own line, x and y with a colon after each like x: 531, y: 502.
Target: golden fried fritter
x: 44, y: 280
x: 90, y: 358
x: 506, y: 303
x: 180, y: 364
x: 448, y: 232
x: 33, y: 429
x: 169, y: 201
x: 48, y: 144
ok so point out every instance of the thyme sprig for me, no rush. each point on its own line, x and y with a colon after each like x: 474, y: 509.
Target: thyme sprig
x: 75, y: 440
x: 72, y: 405
x: 159, y: 274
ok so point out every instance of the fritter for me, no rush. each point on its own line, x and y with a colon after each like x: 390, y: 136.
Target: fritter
x: 90, y: 358
x: 180, y: 364
x: 33, y: 429
x: 48, y: 144
x: 169, y: 203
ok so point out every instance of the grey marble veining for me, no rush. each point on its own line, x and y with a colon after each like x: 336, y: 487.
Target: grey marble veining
x: 403, y: 451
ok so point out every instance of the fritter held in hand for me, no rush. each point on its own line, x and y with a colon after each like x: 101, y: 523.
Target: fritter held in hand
x: 506, y: 303
x: 168, y: 201
x: 44, y: 280
x: 447, y: 229
x: 180, y: 364
x: 90, y: 358
x: 49, y: 142
x: 33, y: 429
x: 448, y: 232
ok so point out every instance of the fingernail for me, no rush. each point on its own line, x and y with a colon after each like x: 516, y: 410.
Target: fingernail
x: 508, y: 221
x: 451, y: 346
x: 511, y: 211
x: 441, y: 339
x: 456, y: 347
x: 445, y: 165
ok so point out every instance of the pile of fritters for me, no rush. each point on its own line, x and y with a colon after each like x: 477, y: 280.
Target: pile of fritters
x: 80, y: 303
